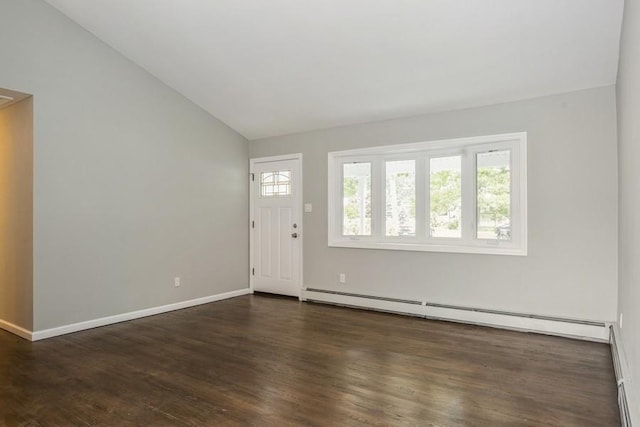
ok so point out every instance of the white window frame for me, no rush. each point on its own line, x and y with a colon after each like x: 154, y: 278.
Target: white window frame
x: 422, y: 152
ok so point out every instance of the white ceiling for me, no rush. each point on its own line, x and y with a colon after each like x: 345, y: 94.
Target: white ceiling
x: 272, y: 67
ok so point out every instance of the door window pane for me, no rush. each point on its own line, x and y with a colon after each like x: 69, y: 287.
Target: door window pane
x: 276, y: 183
x: 445, y: 196
x: 356, y: 205
x: 494, y: 195
x: 401, y: 198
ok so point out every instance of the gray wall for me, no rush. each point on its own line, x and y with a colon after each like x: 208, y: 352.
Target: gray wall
x: 133, y: 183
x: 628, y: 90
x: 571, y: 269
x: 16, y: 214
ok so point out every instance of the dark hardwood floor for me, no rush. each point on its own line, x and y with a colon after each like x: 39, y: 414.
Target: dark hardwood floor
x: 260, y: 360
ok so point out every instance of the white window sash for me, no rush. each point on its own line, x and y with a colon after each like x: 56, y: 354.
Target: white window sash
x: 422, y: 153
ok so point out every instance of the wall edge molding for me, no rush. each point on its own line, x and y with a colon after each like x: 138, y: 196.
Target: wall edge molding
x: 123, y: 317
x: 16, y: 330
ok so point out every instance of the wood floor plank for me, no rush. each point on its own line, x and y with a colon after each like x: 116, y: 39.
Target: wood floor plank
x: 264, y: 360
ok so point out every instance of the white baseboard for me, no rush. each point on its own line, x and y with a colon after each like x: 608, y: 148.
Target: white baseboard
x: 594, y: 331
x: 627, y: 400
x: 15, y: 329
x: 89, y: 324
x: 571, y: 328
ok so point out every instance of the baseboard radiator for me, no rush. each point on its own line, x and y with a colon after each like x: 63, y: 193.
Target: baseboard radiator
x: 574, y: 328
x: 623, y: 402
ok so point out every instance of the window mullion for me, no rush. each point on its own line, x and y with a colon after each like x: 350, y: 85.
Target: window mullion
x: 420, y: 202
x: 468, y: 215
x: 378, y: 194
x: 516, y: 202
x: 339, y: 203
x: 425, y: 194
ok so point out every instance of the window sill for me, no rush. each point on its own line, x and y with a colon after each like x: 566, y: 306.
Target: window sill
x: 488, y: 249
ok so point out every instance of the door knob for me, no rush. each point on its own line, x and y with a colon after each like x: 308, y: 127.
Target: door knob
x: 294, y: 235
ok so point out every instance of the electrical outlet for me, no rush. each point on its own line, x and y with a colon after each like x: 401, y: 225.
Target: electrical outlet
x: 176, y: 281
x: 620, y: 323
x: 343, y: 278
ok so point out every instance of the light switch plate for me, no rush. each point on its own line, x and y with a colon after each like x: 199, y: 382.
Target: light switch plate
x: 308, y: 207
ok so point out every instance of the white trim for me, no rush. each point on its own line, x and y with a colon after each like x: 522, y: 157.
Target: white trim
x: 90, y: 324
x: 570, y: 328
x: 419, y: 247
x: 16, y: 330
x: 252, y: 163
x: 293, y: 156
x: 301, y: 222
x: 625, y: 376
x: 252, y: 177
x: 444, y: 144
x: 421, y: 152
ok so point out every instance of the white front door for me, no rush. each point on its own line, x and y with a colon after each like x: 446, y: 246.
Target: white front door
x: 276, y: 243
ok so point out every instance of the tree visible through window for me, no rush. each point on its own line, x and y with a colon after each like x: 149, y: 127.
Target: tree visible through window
x: 445, y: 190
x: 494, y: 195
x: 466, y: 195
x: 401, y: 198
x: 356, y: 199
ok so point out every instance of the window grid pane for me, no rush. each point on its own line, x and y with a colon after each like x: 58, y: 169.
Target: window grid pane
x: 468, y: 195
x: 445, y: 196
x: 493, y: 177
x: 400, y: 206
x: 275, y: 184
x: 356, y: 199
